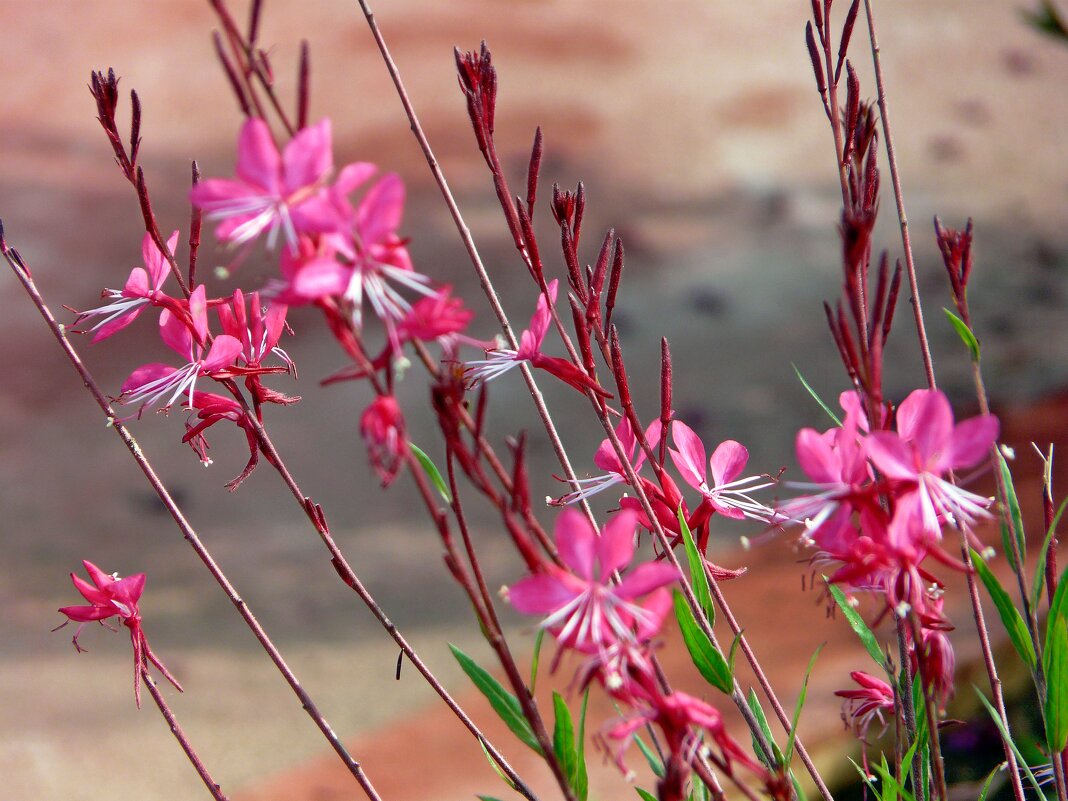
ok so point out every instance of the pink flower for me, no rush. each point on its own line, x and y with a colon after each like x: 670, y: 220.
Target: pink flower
x: 272, y: 191
x: 927, y: 446
x: 211, y: 409
x: 585, y: 611
x: 438, y: 317
x: 110, y: 596
x: 864, y: 706
x: 727, y: 494
x: 143, y: 288
x: 606, y: 459
x: 501, y: 360
x: 382, y: 428
x: 150, y: 383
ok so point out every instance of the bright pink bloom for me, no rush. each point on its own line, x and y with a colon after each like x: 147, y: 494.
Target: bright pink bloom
x: 143, y: 288
x: 211, y: 409
x: 501, y: 360
x: 606, y: 459
x: 149, y: 383
x: 438, y: 317
x: 864, y: 706
x: 272, y: 191
x: 727, y: 494
x: 109, y: 596
x: 927, y: 446
x: 382, y: 429
x: 585, y: 611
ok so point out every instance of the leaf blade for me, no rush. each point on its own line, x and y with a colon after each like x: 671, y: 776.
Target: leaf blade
x: 709, y: 662
x: 505, y: 704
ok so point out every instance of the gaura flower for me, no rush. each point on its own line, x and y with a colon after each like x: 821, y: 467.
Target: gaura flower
x: 109, y: 596
x: 382, y: 428
x: 864, y: 706
x: 583, y: 609
x: 606, y: 459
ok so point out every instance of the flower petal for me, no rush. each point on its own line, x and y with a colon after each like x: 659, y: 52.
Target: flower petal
x: 576, y: 541
x: 972, y: 440
x: 308, y: 157
x: 539, y: 595
x: 728, y: 461
x: 258, y: 162
x: 615, y: 548
x: 645, y: 578
x: 891, y: 455
x: 381, y: 210
x: 689, y: 459
x: 926, y: 419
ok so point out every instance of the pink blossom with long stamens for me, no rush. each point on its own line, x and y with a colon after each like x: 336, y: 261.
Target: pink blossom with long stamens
x: 868, y: 704
x: 109, y: 596
x: 143, y: 288
x: 606, y: 459
x: 272, y: 191
x: 583, y: 609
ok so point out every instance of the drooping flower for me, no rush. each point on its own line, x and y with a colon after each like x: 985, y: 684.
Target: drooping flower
x: 927, y: 446
x: 583, y: 609
x: 727, y: 494
x: 382, y: 428
x: 143, y: 287
x: 501, y: 360
x: 150, y: 383
x: 272, y: 191
x: 868, y: 704
x: 211, y: 409
x: 109, y: 596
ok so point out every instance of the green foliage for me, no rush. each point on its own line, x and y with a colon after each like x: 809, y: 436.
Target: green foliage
x: 1047, y: 20
x: 762, y: 721
x: 707, y: 658
x: 698, y: 578
x: 965, y: 334
x: 645, y: 795
x: 568, y: 749
x: 655, y: 765
x: 800, y: 705
x: 505, y: 704
x: 1007, y: 738
x: 536, y: 659
x: 431, y: 470
x: 816, y: 397
x: 1039, y: 583
x: 1017, y: 519
x: 1011, y: 618
x: 856, y: 622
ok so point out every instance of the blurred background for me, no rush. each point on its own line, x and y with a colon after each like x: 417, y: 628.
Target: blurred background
x: 697, y: 130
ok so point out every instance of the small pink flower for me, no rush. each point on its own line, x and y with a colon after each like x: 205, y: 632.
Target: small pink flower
x: 143, y: 288
x: 272, y: 191
x: 727, y: 494
x: 211, y: 409
x: 864, y: 706
x: 382, y: 428
x: 585, y: 611
x: 501, y: 360
x: 109, y: 596
x: 606, y: 459
x: 439, y: 317
x: 927, y: 446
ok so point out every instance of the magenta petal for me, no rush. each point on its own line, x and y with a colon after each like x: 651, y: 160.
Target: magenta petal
x: 728, y: 461
x: 817, y: 458
x: 615, y: 548
x: 890, y: 455
x: 689, y: 459
x: 155, y: 261
x: 224, y: 351
x: 354, y: 175
x: 926, y: 419
x: 577, y: 542
x: 320, y: 278
x: 214, y: 192
x: 128, y: 590
x: 657, y: 606
x: 308, y: 157
x: 316, y: 215
x: 645, y: 578
x: 605, y: 457
x: 379, y: 213
x: 258, y: 161
x: 86, y: 614
x: 275, y: 323
x: 145, y: 374
x: 92, y: 594
x: 972, y: 441
x: 539, y: 595
x: 198, y: 310
x: 539, y: 323
x: 137, y: 285
x: 116, y: 325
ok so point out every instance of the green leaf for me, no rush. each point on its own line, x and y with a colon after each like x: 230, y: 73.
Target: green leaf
x: 582, y: 786
x: 1005, y: 737
x: 486, y: 798
x: 1047, y: 20
x: 497, y: 768
x: 503, y: 702
x: 697, y: 570
x: 645, y: 795
x: 536, y: 659
x: 1011, y: 618
x: 762, y: 721
x: 432, y: 471
x: 1039, y: 584
x: 989, y: 779
x: 565, y: 747
x: 1055, y: 661
x: 1017, y: 518
x: 709, y: 661
x: 816, y: 397
x: 856, y: 622
x: 864, y: 777
x: 1058, y: 607
x: 800, y: 705
x: 965, y: 333
x: 890, y: 781
x: 655, y: 765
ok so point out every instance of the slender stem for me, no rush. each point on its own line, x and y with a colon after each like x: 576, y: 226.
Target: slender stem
x: 24, y: 276
x: 908, y: 708
x: 895, y: 176
x: 927, y: 686
x: 179, y: 735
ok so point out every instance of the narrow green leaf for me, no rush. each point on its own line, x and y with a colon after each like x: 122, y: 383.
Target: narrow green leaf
x: 697, y: 570
x: 655, y: 765
x: 856, y: 622
x: 866, y: 779
x: 989, y: 779
x: 1056, y: 708
x: 536, y: 659
x: 762, y: 721
x: 816, y: 397
x: 582, y: 779
x: 1014, y: 512
x: 564, y: 742
x: 503, y: 702
x: 1011, y: 618
x: 965, y: 334
x: 890, y: 781
x: 486, y: 797
x: 1006, y: 738
x: 1039, y: 583
x: 496, y: 767
x: 1058, y: 607
x: 432, y: 471
x: 645, y: 795
x: 800, y: 705
x: 709, y: 661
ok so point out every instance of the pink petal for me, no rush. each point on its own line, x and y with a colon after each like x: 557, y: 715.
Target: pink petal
x: 817, y: 458
x: 379, y: 213
x: 128, y: 590
x: 92, y: 594
x: 321, y: 277
x: 175, y: 334
x: 137, y: 284
x: 657, y: 607
x: 86, y: 614
x: 645, y: 578
x: 577, y: 542
x: 116, y: 325
x: 275, y: 323
x: 308, y: 157
x: 221, y: 192
x: 689, y: 459
x: 354, y: 175
x: 258, y: 161
x: 972, y: 441
x: 605, y: 457
x: 615, y: 548
x: 145, y: 374
x: 316, y: 215
x: 542, y: 594
x: 530, y: 342
x: 926, y: 419
x: 891, y: 456
x: 728, y: 461
x: 224, y: 351
x: 155, y: 261
x: 198, y: 311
